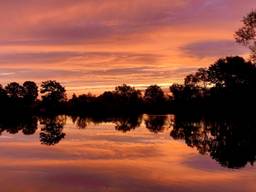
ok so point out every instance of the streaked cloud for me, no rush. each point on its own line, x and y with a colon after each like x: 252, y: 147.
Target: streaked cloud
x: 218, y: 48
x: 86, y: 43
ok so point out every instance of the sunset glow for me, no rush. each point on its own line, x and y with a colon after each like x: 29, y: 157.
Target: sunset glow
x: 95, y: 45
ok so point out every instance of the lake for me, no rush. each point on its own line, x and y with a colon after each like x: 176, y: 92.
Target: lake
x: 140, y: 153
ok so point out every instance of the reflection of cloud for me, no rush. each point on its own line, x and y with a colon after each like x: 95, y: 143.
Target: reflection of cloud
x: 203, y: 163
x: 220, y: 48
x: 101, y: 156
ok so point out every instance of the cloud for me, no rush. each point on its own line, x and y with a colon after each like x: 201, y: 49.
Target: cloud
x: 219, y: 48
x: 78, y: 58
x: 83, y: 80
x: 37, y: 57
x: 99, y: 42
x: 26, y: 73
x: 67, y: 22
x: 49, y: 22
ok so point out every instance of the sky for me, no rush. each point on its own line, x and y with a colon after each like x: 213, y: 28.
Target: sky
x: 95, y: 45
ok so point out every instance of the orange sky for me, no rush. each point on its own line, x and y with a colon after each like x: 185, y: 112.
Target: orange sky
x: 94, y: 45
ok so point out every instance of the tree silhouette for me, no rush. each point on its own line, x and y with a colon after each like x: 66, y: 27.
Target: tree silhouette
x: 154, y: 98
x: 14, y: 90
x: 246, y: 35
x: 4, y: 100
x: 186, y: 98
x: 53, y: 96
x: 231, y: 72
x: 153, y: 94
x: 30, y: 92
x: 127, y: 95
x: 199, y: 79
x: 53, y: 91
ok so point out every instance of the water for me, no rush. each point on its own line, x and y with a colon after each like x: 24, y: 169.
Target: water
x: 149, y: 153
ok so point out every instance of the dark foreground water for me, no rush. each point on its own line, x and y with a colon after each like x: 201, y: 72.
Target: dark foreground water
x: 148, y: 153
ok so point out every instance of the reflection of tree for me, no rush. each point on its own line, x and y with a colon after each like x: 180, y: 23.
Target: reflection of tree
x: 234, y: 144
x: 81, y: 122
x: 156, y: 123
x: 194, y: 133
x: 30, y: 127
x: 125, y: 124
x: 51, y: 133
x: 230, y: 142
x: 27, y: 124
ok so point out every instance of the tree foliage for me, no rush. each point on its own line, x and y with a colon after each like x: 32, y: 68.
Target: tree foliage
x: 53, y: 91
x: 246, y: 35
x: 30, y: 91
x: 14, y: 90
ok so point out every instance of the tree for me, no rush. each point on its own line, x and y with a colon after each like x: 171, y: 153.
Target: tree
x: 177, y: 92
x: 127, y: 91
x: 231, y: 72
x: 15, y: 90
x: 3, y: 99
x: 246, y: 35
x: 53, y: 92
x: 199, y: 79
x: 128, y: 97
x: 30, y: 92
x: 154, y: 94
x: 186, y: 96
x: 3, y: 93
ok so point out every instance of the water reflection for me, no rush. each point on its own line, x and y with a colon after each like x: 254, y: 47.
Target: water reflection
x: 81, y: 122
x: 51, y: 133
x: 229, y: 141
x: 157, y: 124
x: 13, y: 125
x: 128, y: 123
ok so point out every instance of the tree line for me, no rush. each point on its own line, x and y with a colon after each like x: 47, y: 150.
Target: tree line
x: 15, y: 97
x: 228, y: 85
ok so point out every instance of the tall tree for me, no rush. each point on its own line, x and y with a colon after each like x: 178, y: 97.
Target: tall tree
x: 199, y: 79
x: 30, y: 91
x: 53, y: 91
x: 127, y: 96
x: 127, y: 91
x: 246, y: 35
x: 231, y: 72
x: 14, y: 90
x: 154, y: 95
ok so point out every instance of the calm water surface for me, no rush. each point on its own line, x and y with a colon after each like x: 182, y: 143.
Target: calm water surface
x: 151, y: 153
